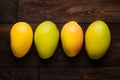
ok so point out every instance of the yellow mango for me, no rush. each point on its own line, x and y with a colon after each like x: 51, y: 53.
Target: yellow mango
x: 97, y: 39
x: 21, y: 37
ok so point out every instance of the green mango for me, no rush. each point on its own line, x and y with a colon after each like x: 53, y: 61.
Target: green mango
x: 46, y: 39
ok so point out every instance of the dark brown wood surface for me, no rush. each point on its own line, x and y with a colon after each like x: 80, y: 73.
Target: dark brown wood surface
x: 62, y: 11
x: 60, y: 67
x: 8, y: 11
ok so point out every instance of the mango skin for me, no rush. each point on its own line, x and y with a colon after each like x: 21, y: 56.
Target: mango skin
x: 46, y: 39
x: 97, y: 39
x: 21, y: 36
x: 72, y: 38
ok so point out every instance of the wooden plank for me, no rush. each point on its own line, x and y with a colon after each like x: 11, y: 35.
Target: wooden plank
x: 19, y: 74
x: 61, y: 11
x: 8, y: 11
x: 80, y: 73
x: 59, y: 59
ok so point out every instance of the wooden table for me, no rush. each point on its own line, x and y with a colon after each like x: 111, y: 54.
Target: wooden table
x: 59, y: 67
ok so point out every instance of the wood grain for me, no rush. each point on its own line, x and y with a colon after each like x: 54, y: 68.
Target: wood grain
x: 80, y: 73
x: 59, y: 58
x: 8, y: 11
x: 19, y: 74
x: 61, y: 11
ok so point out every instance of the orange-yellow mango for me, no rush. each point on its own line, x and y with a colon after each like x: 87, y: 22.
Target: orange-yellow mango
x: 72, y: 38
x: 21, y: 36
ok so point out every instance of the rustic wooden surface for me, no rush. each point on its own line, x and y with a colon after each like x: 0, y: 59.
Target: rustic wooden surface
x: 8, y: 11
x: 60, y: 67
x: 62, y: 11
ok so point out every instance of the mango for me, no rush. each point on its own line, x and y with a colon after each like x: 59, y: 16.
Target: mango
x: 72, y: 38
x: 97, y: 39
x: 46, y: 39
x: 21, y: 37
